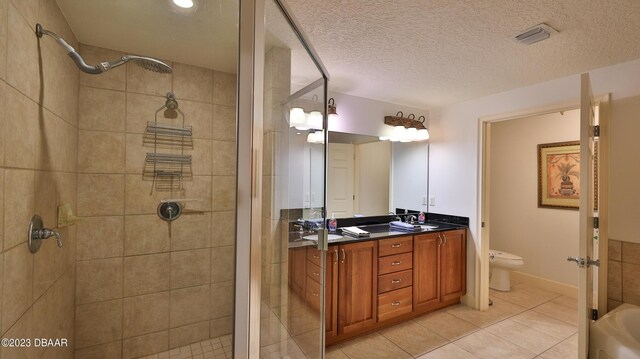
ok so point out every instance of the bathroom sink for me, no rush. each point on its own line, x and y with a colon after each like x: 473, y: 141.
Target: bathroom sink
x: 314, y: 237
x: 428, y: 227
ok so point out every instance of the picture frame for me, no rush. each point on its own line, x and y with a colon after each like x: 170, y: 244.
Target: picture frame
x: 559, y: 175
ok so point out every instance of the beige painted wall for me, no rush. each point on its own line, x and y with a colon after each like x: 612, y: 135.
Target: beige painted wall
x: 373, y: 161
x: 544, y: 237
x: 38, y: 148
x: 138, y: 290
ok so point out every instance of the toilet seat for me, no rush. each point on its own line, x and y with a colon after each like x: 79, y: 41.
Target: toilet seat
x: 503, y: 255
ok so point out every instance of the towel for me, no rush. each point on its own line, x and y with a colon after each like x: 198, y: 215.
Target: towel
x: 354, y: 231
x: 404, y: 226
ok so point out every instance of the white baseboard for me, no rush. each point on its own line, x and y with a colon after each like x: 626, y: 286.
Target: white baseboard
x: 546, y: 284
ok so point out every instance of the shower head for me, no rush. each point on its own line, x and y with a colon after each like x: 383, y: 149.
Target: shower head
x: 147, y: 63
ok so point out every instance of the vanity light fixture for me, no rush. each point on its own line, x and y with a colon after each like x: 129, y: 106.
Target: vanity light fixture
x: 406, y: 129
x: 303, y: 121
x: 185, y: 4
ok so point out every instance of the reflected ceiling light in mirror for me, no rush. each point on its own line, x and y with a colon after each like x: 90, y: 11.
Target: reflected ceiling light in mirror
x: 315, y: 119
x: 316, y: 136
x: 185, y: 4
x: 406, y: 129
x: 296, y: 117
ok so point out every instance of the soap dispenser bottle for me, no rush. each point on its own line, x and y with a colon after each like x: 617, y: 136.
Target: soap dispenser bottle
x: 333, y: 223
x: 421, y: 218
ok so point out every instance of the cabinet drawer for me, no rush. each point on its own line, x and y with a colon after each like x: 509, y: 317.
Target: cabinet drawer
x: 394, y: 281
x: 313, y: 254
x: 313, y: 271
x: 395, y: 303
x: 390, y: 246
x: 313, y: 293
x: 395, y: 263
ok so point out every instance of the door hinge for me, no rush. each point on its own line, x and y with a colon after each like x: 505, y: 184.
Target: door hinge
x: 482, y: 225
x: 596, y: 131
x: 596, y: 222
x: 594, y: 314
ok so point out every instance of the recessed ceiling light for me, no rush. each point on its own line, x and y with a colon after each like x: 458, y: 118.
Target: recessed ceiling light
x: 185, y: 4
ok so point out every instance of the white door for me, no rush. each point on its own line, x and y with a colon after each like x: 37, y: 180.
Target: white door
x: 586, y: 280
x: 340, y: 180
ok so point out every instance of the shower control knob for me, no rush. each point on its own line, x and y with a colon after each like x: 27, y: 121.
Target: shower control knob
x: 169, y: 211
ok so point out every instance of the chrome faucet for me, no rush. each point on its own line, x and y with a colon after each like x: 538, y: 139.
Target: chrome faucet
x: 411, y: 219
x: 398, y: 218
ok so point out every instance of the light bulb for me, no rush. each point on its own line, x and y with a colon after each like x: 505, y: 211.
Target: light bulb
x: 296, y: 117
x: 411, y: 134
x: 315, y: 120
x: 399, y: 131
x: 310, y: 137
x: 185, y: 4
x: 423, y: 134
x: 383, y: 138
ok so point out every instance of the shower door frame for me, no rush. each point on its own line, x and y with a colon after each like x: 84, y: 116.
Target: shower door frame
x: 249, y: 120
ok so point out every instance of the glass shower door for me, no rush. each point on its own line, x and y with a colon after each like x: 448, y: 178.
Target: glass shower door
x: 293, y: 199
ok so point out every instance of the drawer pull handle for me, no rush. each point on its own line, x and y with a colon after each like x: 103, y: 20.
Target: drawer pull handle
x: 316, y: 256
x: 335, y: 251
x: 397, y: 245
x: 396, y: 303
x: 396, y: 281
x: 314, y: 294
x: 316, y: 274
x: 396, y: 263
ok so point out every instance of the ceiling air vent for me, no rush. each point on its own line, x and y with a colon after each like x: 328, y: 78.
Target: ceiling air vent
x: 535, y: 34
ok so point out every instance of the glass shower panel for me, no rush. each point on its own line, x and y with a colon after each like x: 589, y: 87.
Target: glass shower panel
x: 293, y: 269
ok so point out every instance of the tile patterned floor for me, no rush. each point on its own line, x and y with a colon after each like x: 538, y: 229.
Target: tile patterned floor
x: 217, y: 348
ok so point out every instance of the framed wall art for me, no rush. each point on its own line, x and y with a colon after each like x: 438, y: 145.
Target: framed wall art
x: 559, y: 175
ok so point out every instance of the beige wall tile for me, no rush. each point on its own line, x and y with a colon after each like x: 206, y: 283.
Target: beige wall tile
x: 136, y: 153
x: 50, y: 14
x: 191, y: 231
x: 28, y: 9
x: 51, y: 94
x: 140, y: 199
x: 612, y: 304
x: 146, y: 274
x: 200, y: 116
x: 145, y: 314
x: 98, y: 323
x: 68, y: 72
x: 222, y: 264
x: 66, y: 186
x: 46, y: 200
x: 221, y: 326
x: 614, y: 280
x: 189, y: 305
x: 224, y: 88
x: 3, y: 38
x: 146, y: 234
x: 56, y: 144
x: 201, y: 160
x: 65, y: 297
x: 222, y: 299
x: 17, y: 286
x: 224, y: 228
x: 192, y: 83
x: 111, y: 350
x: 190, y: 268
x: 101, y: 109
x: 113, y: 79
x: 101, y: 152
x: 100, y: 237
x: 615, y: 250
x: 43, y: 263
x: 21, y: 124
x: 223, y: 193
x: 100, y: 194
x: 44, y: 315
x: 3, y: 106
x: 140, y: 80
x: 1, y: 216
x: 224, y: 158
x: 198, y: 187
x: 66, y: 256
x: 98, y: 280
x: 146, y: 345
x: 22, y: 329
x: 141, y: 109
x: 630, y: 252
x: 189, y: 334
x: 224, y: 123
x: 630, y: 283
x: 22, y: 55
x: 19, y: 197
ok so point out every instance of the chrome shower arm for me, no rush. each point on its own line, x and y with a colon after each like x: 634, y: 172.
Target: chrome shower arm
x: 70, y: 51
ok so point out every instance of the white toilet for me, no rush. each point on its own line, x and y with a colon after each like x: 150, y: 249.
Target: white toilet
x: 500, y: 266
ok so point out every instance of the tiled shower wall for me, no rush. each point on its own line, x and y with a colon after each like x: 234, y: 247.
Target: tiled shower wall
x: 623, y: 283
x: 140, y: 291
x: 38, y: 148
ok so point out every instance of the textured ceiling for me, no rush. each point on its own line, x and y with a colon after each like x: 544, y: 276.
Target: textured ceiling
x: 434, y: 52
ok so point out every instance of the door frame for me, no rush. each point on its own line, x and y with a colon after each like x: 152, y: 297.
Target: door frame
x: 483, y: 189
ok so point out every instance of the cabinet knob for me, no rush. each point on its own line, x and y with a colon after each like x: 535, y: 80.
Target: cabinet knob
x: 396, y: 245
x: 396, y: 303
x: 396, y: 263
x: 396, y: 281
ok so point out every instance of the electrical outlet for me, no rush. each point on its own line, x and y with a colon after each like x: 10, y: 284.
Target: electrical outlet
x: 432, y: 200
x: 424, y: 200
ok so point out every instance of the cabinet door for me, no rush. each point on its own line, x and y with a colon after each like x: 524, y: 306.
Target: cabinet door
x: 426, y: 272
x: 297, y: 270
x: 453, y: 254
x: 358, y: 281
x: 331, y: 293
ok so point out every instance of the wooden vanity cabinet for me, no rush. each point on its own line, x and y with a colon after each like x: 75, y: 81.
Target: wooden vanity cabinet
x: 453, y: 265
x: 357, y: 286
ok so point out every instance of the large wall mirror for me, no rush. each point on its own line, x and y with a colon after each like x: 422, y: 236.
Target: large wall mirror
x: 365, y: 176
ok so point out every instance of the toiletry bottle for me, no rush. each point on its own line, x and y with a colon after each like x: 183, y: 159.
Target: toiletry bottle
x: 421, y: 218
x: 333, y: 223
